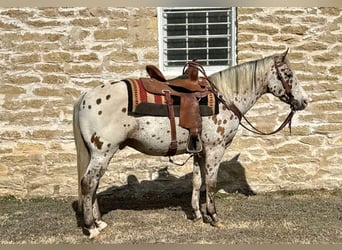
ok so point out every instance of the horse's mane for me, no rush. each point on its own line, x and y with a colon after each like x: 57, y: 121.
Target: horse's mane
x: 242, y: 78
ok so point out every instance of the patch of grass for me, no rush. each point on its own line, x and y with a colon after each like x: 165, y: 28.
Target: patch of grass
x: 41, y: 199
x: 8, y: 198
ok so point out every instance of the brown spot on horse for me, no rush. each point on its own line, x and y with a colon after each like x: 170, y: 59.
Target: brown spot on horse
x: 96, y: 140
x: 220, y: 130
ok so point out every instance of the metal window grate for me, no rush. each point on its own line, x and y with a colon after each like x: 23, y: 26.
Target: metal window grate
x: 207, y: 34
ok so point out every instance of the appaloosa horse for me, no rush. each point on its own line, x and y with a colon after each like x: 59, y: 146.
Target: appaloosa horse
x: 102, y: 125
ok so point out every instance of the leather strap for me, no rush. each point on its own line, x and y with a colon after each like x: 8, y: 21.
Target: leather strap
x: 232, y: 107
x: 173, y: 145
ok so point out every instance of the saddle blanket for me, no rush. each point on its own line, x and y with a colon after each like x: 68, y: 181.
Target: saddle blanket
x: 140, y: 102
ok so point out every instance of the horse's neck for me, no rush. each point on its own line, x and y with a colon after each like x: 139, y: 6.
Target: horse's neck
x: 243, y: 84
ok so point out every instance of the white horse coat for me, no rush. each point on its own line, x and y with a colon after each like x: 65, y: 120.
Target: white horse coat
x: 102, y: 126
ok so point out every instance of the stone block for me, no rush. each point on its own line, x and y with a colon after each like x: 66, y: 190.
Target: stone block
x: 3, y: 170
x: 55, y: 79
x: 316, y: 20
x: 313, y: 140
x: 49, y: 37
x: 82, y: 68
x: 43, y: 23
x: 86, y: 22
x: 151, y: 55
x: 259, y: 28
x: 123, y: 56
x: 295, y: 29
x: 330, y: 106
x: 328, y: 128
x: 60, y: 158
x: 29, y: 147
x: 248, y: 11
x: 245, y: 37
x: 20, y: 13
x: 290, y: 149
x: 325, y: 57
x: 78, y: 34
x: 49, y: 67
x: 13, y: 186
x: 57, y: 57
x: 289, y: 11
x: 10, y: 134
x: 25, y: 118
x: 336, y: 70
x: 11, y: 90
x: 24, y: 79
x: 66, y: 12
x: 333, y: 11
x: 10, y: 104
x: 276, y: 20
x: 294, y: 174
x: 258, y: 47
x: 44, y: 134
x: 22, y: 161
x: 46, y: 92
x: 311, y: 46
x: 110, y: 34
x: 8, y: 26
x: 49, y: 12
x: 28, y: 47
x: 88, y: 57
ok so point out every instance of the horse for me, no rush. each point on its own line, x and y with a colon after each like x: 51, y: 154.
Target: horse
x: 102, y: 126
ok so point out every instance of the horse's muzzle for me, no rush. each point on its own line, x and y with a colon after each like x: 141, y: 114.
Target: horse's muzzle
x: 297, y: 105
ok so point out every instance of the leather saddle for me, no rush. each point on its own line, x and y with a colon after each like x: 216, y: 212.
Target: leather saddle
x: 190, y: 88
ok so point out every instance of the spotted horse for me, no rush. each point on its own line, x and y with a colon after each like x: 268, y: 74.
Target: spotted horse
x: 102, y: 125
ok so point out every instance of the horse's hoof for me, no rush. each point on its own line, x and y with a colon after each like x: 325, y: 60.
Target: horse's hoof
x: 100, y: 225
x: 197, y: 220
x: 217, y: 224
x: 93, y: 233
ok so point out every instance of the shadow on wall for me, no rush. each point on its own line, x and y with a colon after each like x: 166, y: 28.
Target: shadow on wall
x: 168, y: 191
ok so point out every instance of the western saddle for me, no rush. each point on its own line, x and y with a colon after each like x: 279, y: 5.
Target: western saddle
x: 190, y: 88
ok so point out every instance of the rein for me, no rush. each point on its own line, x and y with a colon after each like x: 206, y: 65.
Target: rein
x: 253, y: 129
x: 231, y: 106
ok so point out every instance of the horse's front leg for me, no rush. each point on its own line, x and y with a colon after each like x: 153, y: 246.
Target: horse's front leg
x: 196, y: 186
x: 212, y: 166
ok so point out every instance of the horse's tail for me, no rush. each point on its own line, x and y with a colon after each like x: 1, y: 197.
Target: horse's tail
x: 83, y: 156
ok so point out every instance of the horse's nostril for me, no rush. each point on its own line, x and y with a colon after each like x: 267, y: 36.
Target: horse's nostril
x: 305, y: 102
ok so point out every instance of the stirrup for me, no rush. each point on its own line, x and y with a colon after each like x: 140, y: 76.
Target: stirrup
x: 194, y: 144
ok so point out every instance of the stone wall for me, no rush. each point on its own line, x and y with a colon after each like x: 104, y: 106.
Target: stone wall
x: 49, y: 56
x: 311, y: 156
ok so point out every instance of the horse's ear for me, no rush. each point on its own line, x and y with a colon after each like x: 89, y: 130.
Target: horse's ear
x: 283, y: 55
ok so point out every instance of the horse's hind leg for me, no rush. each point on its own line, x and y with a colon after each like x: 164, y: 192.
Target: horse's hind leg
x: 89, y: 185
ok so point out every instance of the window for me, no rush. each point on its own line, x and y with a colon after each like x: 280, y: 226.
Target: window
x: 207, y: 34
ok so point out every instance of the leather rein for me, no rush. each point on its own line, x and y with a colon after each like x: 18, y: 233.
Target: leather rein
x: 231, y: 106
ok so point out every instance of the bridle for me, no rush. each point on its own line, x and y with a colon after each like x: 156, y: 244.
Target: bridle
x: 287, y: 97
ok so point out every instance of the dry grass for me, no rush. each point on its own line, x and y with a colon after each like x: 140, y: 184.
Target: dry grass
x: 281, y: 217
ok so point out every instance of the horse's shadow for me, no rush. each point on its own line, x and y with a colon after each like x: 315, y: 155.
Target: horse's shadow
x: 168, y: 191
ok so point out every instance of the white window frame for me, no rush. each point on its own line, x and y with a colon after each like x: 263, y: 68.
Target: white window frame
x: 175, y: 71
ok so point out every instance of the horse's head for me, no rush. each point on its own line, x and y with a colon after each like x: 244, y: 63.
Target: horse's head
x: 284, y: 84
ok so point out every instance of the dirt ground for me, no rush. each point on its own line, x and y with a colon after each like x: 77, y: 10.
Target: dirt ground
x: 278, y: 217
